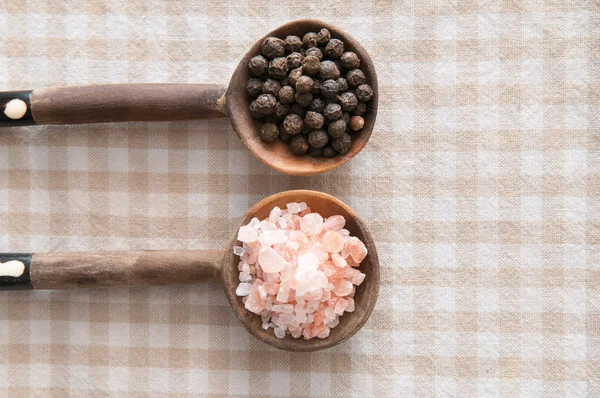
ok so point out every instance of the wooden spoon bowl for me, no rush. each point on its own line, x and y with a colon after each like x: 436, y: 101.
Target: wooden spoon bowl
x: 366, y: 293
x: 277, y: 154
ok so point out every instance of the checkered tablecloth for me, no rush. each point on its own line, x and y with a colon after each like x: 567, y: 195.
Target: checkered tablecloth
x: 481, y: 184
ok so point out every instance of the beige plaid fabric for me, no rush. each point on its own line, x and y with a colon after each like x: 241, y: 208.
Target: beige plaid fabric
x: 481, y: 184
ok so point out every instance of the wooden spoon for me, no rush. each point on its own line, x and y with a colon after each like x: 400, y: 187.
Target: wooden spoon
x: 168, y: 102
x: 20, y: 271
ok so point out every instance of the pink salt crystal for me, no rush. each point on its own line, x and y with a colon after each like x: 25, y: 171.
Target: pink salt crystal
x: 350, y: 307
x: 286, y: 318
x: 296, y: 207
x: 298, y: 236
x: 334, y: 323
x: 329, y: 313
x: 351, y: 262
x: 344, y: 273
x: 312, y: 306
x: 313, y: 295
x: 245, y: 277
x: 296, y: 331
x: 305, y: 212
x: 329, y: 268
x: 326, y: 296
x: 254, y: 223
x: 244, y: 299
x: 263, y: 294
x: 342, y: 287
x: 270, y: 238
x: 333, y: 241
x: 252, y: 270
x: 293, y: 223
x: 270, y: 261
x: 267, y: 226
x: 318, y: 318
x: 357, y: 249
x: 255, y: 303
x: 274, y: 215
x: 307, y: 332
x: 311, y: 224
x: 323, y: 331
x: 283, y: 294
x: 238, y: 250
x: 353, y: 292
x: 358, y: 278
x: 344, y: 232
x: 286, y: 273
x: 243, y: 289
x: 334, y: 223
x: 247, y: 234
x: 283, y: 308
x: 319, y: 249
x: 341, y: 306
x: 271, y: 287
x: 271, y: 277
x: 308, y: 262
x: 279, y: 332
x: 338, y: 260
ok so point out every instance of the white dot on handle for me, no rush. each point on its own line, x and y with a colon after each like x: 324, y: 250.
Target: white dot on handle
x: 15, y: 109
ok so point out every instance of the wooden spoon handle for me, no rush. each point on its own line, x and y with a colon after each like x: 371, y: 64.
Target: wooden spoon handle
x: 112, y: 103
x: 105, y: 269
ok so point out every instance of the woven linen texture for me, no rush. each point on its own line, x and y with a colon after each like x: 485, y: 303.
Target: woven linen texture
x: 481, y: 184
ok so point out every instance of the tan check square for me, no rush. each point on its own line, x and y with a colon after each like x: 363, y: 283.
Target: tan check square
x: 481, y: 184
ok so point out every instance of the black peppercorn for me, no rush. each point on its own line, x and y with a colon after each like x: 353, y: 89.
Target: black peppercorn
x: 355, y: 78
x: 294, y: 75
x: 292, y: 124
x: 360, y: 109
x: 266, y: 104
x: 286, y: 94
x: 315, y: 152
x: 311, y: 65
x: 299, y: 144
x: 254, y: 86
x: 296, y: 109
x: 356, y: 123
x: 272, y: 87
x: 332, y: 100
x: 318, y: 138
x: 329, y: 88
x: 315, y: 52
x: 292, y: 44
x: 334, y: 48
x: 323, y: 36
x: 317, y: 105
x: 328, y: 152
x: 281, y: 111
x: 304, y: 85
x: 350, y: 60
x: 364, y: 92
x: 284, y: 82
x: 285, y: 137
x: 342, y: 85
x: 255, y: 110
x: 258, y: 65
x: 273, y: 47
x: 314, y: 120
x: 309, y: 40
x: 294, y: 60
x: 303, y: 99
x: 346, y: 117
x: 316, y: 88
x: 278, y: 68
x: 332, y: 111
x: 328, y: 71
x: 341, y: 144
x: 269, y: 132
x: 348, y: 101
x: 337, y: 128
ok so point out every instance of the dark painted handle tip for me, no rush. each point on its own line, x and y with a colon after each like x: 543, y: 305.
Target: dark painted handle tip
x: 15, y: 109
x: 15, y: 271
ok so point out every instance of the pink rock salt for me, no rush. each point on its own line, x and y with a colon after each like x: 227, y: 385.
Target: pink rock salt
x: 298, y: 271
x: 333, y: 241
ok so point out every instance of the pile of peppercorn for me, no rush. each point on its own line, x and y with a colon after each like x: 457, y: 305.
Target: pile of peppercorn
x: 310, y: 93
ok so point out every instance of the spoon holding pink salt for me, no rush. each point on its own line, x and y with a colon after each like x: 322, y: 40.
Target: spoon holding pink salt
x: 172, y: 267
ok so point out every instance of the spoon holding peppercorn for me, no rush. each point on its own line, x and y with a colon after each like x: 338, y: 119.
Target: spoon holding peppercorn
x: 173, y: 101
x: 50, y: 271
